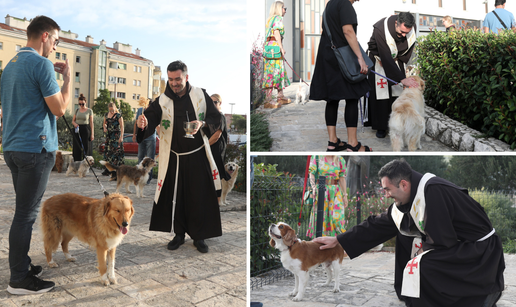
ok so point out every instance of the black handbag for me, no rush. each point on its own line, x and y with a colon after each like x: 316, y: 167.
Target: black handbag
x: 348, y: 61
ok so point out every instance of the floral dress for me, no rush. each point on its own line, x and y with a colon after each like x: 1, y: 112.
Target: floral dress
x: 113, y: 153
x: 334, y: 220
x: 274, y: 74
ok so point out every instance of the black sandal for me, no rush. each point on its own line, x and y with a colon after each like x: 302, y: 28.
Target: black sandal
x: 337, y: 146
x: 357, y: 148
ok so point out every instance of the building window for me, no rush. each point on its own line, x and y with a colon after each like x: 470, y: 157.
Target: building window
x: 76, y: 93
x: 102, y: 71
x: 113, y: 65
x: 112, y: 80
x: 77, y: 77
x: 134, y: 82
x: 134, y: 68
x: 136, y: 96
x: 122, y: 66
x: 1, y: 65
x: 139, y: 69
x: 139, y: 83
x: 121, y: 80
x: 78, y: 59
x: 120, y: 95
x: 1, y: 46
x: 64, y: 56
x: 58, y: 55
x: 58, y: 76
x: 18, y: 47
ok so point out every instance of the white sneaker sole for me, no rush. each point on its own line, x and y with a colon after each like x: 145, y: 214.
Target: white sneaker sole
x: 21, y: 291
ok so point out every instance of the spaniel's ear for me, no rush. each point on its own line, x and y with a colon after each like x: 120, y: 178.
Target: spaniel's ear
x: 289, y: 237
x: 272, y: 242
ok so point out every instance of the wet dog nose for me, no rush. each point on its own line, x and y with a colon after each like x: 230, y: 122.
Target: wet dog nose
x: 125, y: 224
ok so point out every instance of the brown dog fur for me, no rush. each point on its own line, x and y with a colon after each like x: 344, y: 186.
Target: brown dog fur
x: 101, y: 223
x: 232, y: 169
x: 59, y: 161
x: 136, y: 175
x: 306, y: 251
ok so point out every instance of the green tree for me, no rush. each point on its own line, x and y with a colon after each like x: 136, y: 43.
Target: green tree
x: 240, y: 123
x: 101, y: 105
x: 493, y: 173
x: 292, y: 164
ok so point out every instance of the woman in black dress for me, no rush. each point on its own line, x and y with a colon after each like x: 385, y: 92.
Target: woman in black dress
x: 329, y: 84
x: 218, y: 142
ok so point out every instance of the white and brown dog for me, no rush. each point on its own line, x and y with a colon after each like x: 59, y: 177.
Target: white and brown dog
x: 407, y: 121
x: 301, y: 257
x: 302, y: 94
x: 80, y: 167
x: 232, y: 169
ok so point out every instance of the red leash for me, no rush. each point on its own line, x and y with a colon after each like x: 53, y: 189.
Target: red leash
x: 304, y: 189
x: 295, y: 73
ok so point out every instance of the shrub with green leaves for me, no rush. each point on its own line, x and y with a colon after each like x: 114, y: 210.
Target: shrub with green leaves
x: 470, y: 76
x: 260, y: 135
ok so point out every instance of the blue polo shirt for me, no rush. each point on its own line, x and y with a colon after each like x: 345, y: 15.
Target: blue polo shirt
x: 29, y: 125
x: 494, y: 24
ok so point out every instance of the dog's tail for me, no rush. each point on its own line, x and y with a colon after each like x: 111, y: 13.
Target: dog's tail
x: 109, y: 166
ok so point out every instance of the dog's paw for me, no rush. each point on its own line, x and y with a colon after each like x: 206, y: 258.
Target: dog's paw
x: 294, y: 293
x: 297, y: 298
x: 105, y: 280
x: 336, y: 290
x: 70, y: 258
x: 112, y: 279
x: 52, y: 264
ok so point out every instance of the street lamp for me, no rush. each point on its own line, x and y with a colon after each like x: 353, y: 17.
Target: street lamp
x: 232, y: 104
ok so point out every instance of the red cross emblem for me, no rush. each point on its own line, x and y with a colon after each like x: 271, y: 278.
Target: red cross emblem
x: 419, y: 246
x: 412, y: 265
x: 160, y: 184
x: 381, y: 83
x: 215, y: 173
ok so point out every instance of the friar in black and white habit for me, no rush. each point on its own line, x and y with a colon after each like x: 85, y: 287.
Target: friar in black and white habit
x: 185, y: 199
x: 390, y: 49
x: 447, y: 251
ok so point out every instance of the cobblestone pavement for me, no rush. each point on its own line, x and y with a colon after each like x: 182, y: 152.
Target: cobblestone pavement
x: 367, y: 280
x: 148, y: 274
x: 300, y: 128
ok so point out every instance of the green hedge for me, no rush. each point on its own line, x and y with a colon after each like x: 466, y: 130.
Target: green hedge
x: 470, y: 76
x: 260, y: 135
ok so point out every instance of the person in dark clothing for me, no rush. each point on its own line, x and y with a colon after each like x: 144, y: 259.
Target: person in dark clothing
x: 329, y: 84
x: 390, y: 48
x: 447, y: 251
x: 186, y: 198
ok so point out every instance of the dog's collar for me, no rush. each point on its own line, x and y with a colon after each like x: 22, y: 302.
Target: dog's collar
x: 295, y: 241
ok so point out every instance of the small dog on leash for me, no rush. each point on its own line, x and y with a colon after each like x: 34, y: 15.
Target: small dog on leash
x: 100, y: 223
x: 302, y: 94
x: 407, y: 121
x: 137, y: 175
x: 80, y: 167
x: 59, y: 161
x: 301, y: 257
x: 227, y: 186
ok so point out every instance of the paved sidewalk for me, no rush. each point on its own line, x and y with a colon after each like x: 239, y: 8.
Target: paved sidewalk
x: 367, y: 280
x: 148, y: 274
x: 299, y: 128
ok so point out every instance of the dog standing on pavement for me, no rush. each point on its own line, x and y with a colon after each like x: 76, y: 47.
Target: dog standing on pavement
x: 302, y: 94
x: 101, y: 223
x: 301, y: 257
x: 407, y: 121
x: 227, y: 186
x: 137, y: 175
x: 80, y: 167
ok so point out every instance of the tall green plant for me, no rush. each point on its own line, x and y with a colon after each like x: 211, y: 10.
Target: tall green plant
x: 470, y: 77
x: 260, y: 135
x: 101, y: 105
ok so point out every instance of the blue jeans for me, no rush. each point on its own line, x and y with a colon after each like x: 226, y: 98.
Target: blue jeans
x: 30, y: 172
x: 147, y: 148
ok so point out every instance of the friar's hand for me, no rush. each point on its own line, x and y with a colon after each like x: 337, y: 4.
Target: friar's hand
x: 327, y: 242
x: 199, y: 125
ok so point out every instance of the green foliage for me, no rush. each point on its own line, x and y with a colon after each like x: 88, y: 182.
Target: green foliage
x: 100, y: 108
x: 492, y: 173
x: 470, y: 77
x: 240, y: 123
x: 275, y: 198
x: 500, y: 210
x: 260, y: 136
x: 291, y: 164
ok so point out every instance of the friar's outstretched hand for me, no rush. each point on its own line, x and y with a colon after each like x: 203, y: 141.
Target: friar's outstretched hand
x: 327, y: 242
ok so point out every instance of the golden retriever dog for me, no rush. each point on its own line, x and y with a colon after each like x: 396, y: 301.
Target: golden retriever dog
x: 227, y: 186
x: 100, y: 223
x: 80, y: 167
x: 407, y: 121
x: 137, y: 175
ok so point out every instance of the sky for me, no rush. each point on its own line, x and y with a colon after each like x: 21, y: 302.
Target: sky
x: 208, y: 36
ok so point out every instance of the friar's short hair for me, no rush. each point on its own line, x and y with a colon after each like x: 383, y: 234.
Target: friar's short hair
x: 406, y: 18
x: 39, y: 25
x: 178, y: 65
x: 396, y: 171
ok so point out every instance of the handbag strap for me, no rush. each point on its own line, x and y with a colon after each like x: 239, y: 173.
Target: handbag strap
x: 327, y: 29
x: 269, y: 30
x: 501, y: 21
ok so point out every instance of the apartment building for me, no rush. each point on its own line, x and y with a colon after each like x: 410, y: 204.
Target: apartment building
x: 127, y: 75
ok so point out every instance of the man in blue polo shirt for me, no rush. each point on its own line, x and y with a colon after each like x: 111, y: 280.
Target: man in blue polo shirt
x: 494, y: 19
x: 31, y: 100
